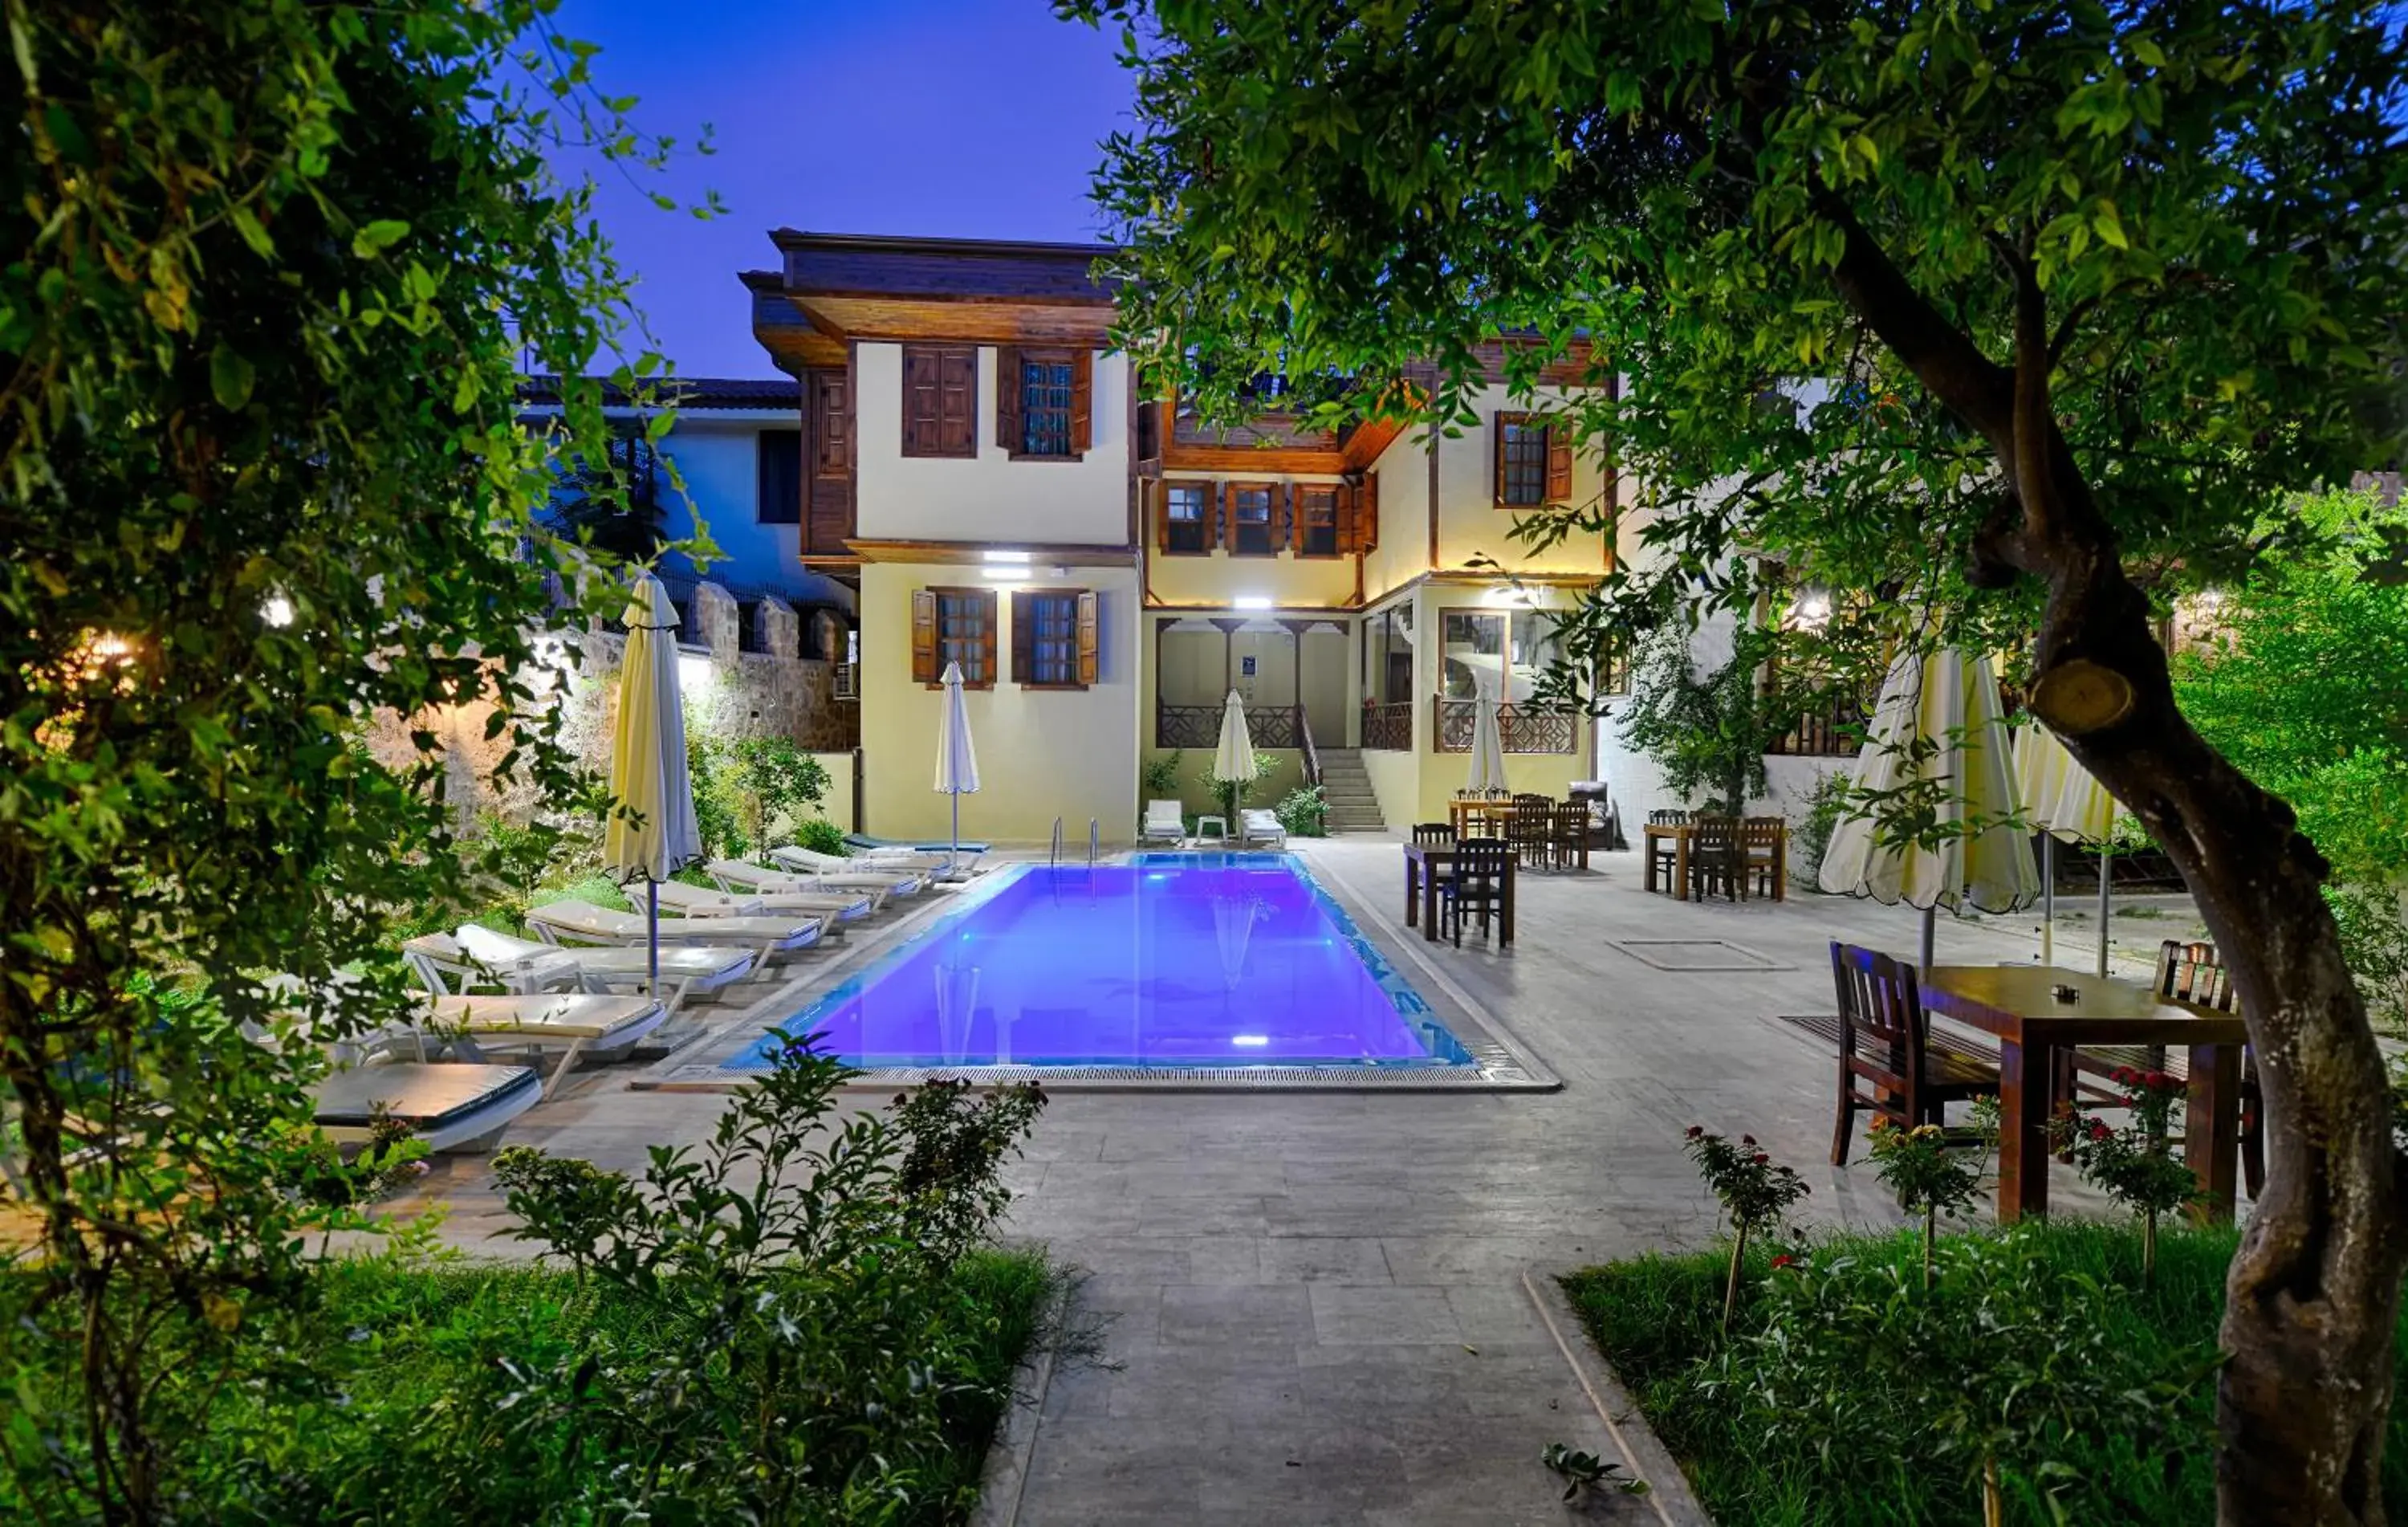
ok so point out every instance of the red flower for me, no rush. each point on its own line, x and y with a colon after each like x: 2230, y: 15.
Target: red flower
x: 2127, y: 1075
x: 1759, y: 1158
x: 1696, y: 1130
x: 1747, y: 1140
x: 2098, y: 1129
x: 1784, y: 1260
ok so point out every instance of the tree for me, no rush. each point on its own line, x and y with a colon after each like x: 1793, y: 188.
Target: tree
x: 269, y: 265
x: 2081, y: 291
x: 1706, y: 732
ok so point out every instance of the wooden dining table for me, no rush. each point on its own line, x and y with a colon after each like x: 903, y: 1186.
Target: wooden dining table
x: 1477, y: 816
x: 1422, y: 862
x: 2017, y: 1005
x: 1677, y: 834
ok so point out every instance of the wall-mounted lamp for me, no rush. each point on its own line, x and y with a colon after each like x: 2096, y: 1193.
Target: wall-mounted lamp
x: 1250, y: 601
x: 1022, y: 557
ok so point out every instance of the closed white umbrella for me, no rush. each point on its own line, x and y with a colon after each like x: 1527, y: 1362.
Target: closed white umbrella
x: 1937, y: 723
x: 1487, y: 774
x: 956, y: 758
x: 1233, y: 761
x: 651, y: 831
x: 2064, y: 801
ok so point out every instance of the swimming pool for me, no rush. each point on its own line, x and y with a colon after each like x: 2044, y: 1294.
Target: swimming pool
x: 1170, y: 960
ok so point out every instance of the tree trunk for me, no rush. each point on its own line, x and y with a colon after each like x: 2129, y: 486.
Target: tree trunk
x: 2312, y: 1298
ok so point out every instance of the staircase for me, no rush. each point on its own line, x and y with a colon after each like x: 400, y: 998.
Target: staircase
x: 1347, y: 786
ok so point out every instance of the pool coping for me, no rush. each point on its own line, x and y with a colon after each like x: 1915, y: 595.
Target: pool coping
x: 1503, y: 1063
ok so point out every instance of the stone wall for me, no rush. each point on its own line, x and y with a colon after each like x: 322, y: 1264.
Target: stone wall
x: 729, y: 693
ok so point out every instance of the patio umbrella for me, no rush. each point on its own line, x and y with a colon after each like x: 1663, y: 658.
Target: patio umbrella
x: 2062, y: 799
x: 956, y: 758
x: 1938, y: 720
x: 1233, y: 761
x: 651, y: 831
x: 1487, y: 776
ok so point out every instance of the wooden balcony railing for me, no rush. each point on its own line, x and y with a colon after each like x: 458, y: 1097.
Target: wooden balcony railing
x: 1388, y: 728
x: 1522, y: 728
x: 1827, y: 731
x: 1199, y: 726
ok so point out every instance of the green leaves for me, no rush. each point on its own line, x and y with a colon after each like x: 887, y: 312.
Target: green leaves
x: 230, y: 377
x: 376, y: 236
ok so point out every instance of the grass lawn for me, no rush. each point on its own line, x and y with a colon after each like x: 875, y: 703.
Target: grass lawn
x: 1654, y: 1318
x: 407, y: 1394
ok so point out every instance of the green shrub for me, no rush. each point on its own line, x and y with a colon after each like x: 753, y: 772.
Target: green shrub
x: 821, y: 836
x: 1304, y: 811
x: 1159, y: 775
x: 1826, y: 806
x: 2082, y: 1308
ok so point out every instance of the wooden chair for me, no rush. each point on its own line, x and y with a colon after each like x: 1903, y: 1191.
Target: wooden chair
x: 1665, y: 851
x: 1759, y: 840
x: 1434, y: 834
x: 2195, y: 973
x: 1571, y: 834
x: 1478, y: 884
x: 1885, y: 1040
x: 1715, y: 858
x: 1529, y: 828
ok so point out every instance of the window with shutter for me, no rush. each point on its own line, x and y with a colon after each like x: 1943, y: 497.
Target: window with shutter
x: 1090, y: 637
x: 1559, y: 463
x: 1316, y: 532
x: 1047, y: 638
x: 1249, y: 511
x: 1041, y: 404
x: 939, y: 400
x: 961, y: 629
x: 1521, y: 451
x: 1186, y: 518
x: 924, y: 668
x: 1365, y: 538
x: 778, y: 477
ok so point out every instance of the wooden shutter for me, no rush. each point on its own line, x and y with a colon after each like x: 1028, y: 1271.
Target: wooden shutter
x: 1559, y: 463
x: 1346, y: 535
x: 1284, y: 517
x: 1367, y: 514
x: 922, y: 401
x: 1083, y: 401
x: 957, y: 389
x: 923, y: 636
x: 1496, y: 450
x: 1011, y: 391
x: 1024, y: 637
x: 1088, y: 645
x: 986, y: 644
x: 1158, y: 492
x: 828, y: 471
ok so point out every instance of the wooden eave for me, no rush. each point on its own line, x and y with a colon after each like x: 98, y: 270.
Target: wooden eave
x: 970, y: 319
x: 1039, y: 553
x: 795, y: 343
x: 983, y: 291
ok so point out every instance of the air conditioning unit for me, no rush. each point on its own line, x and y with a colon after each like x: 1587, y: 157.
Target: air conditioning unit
x: 848, y: 681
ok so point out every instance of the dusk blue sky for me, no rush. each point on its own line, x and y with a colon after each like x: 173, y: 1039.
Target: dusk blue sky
x: 962, y: 118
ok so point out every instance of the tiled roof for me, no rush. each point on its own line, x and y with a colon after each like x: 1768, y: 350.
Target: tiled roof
x: 687, y: 392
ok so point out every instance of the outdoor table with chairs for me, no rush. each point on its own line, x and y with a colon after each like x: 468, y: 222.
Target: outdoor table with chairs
x: 1704, y: 856
x: 2051, y: 1025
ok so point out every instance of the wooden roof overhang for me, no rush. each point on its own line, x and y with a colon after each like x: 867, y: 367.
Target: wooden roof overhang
x: 793, y: 342
x: 981, y: 290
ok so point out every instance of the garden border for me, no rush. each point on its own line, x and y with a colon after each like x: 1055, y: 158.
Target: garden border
x: 1643, y: 1452
x: 1006, y: 1474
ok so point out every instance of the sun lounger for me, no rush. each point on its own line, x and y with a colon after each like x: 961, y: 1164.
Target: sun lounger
x: 476, y: 956
x: 743, y: 877
x: 899, y: 875
x: 576, y: 1024
x: 1256, y: 825
x: 965, y: 855
x: 1163, y: 822
x: 582, y: 922
x: 830, y: 906
x: 448, y: 1104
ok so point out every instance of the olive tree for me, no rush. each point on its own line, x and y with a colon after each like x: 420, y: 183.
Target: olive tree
x: 270, y: 267
x: 2059, y: 300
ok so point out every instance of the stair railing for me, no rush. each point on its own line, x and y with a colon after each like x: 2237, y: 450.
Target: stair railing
x: 1095, y: 836
x: 1311, y: 753
x: 1053, y: 856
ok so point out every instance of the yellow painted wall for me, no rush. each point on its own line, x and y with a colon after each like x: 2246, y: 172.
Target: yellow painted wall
x: 1403, y: 553
x: 1216, y: 578
x: 987, y: 498
x: 837, y: 806
x: 1469, y: 522
x: 1041, y: 753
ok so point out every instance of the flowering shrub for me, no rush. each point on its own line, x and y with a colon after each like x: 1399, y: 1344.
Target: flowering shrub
x: 2135, y: 1165
x: 1918, y: 1165
x: 1755, y: 1191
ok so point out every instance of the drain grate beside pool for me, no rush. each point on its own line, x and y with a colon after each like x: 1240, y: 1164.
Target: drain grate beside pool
x: 1696, y: 954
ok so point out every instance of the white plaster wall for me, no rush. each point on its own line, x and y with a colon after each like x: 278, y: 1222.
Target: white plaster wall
x: 989, y: 496
x: 1469, y: 522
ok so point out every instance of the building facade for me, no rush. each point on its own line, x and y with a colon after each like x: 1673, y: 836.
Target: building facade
x: 977, y: 463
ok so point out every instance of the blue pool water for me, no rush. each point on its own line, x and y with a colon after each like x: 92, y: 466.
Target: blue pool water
x: 1166, y: 962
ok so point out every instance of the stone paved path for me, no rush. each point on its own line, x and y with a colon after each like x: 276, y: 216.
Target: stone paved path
x: 1311, y: 1305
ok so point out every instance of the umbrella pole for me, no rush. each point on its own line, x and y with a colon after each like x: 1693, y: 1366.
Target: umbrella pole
x: 2047, y: 898
x: 955, y: 856
x: 652, y: 936
x: 2106, y: 874
x: 1930, y: 916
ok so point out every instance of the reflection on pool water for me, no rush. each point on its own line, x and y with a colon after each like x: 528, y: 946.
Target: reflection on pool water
x: 1167, y: 962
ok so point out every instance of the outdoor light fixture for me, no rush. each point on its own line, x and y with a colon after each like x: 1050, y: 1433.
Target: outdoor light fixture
x: 1812, y: 610
x: 1250, y: 601
x: 278, y: 611
x: 1008, y: 557
x: 693, y: 671
x: 1251, y: 1042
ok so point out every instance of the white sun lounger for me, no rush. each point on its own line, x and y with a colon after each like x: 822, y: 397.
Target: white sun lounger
x: 582, y: 922
x: 1163, y: 822
x: 684, y: 900
x: 744, y: 877
x: 903, y: 876
x: 577, y: 1024
x: 449, y: 1105
x: 1257, y: 825
x: 476, y: 956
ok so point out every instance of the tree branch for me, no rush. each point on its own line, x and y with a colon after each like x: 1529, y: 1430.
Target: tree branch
x: 1968, y: 384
